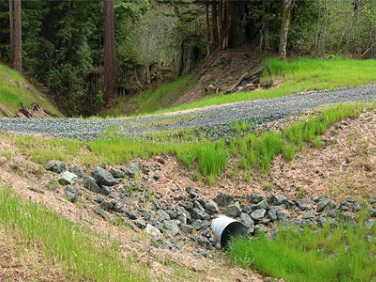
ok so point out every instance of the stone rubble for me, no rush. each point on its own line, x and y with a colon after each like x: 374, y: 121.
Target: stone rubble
x: 118, y: 193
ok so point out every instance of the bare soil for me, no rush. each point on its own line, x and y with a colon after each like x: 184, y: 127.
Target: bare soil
x: 344, y: 166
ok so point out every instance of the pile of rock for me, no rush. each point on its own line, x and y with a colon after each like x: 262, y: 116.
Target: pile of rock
x: 127, y: 193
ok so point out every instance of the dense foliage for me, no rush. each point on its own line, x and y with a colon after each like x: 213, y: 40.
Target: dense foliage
x: 63, y: 41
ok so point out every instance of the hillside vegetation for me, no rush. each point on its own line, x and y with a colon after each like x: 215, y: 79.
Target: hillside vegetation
x: 294, y: 76
x: 15, y: 89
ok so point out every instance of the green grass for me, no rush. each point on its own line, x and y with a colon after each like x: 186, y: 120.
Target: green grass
x: 83, y: 254
x: 209, y: 158
x: 14, y: 89
x: 300, y: 75
x: 161, y: 98
x: 342, y: 254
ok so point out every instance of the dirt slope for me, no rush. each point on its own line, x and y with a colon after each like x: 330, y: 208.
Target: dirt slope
x: 345, y: 166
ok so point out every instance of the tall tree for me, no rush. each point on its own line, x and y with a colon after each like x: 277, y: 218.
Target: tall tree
x: 287, y: 5
x: 109, y: 52
x: 15, y: 26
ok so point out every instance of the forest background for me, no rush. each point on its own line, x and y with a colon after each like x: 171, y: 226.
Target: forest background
x: 63, y: 43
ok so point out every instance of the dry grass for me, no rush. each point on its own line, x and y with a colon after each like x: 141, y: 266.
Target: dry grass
x: 22, y: 261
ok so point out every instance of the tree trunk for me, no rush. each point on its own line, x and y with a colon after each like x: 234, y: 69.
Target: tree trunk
x: 15, y: 25
x: 208, y: 27
x: 215, y: 25
x: 109, y: 52
x: 220, y: 24
x: 287, y: 5
x: 11, y: 32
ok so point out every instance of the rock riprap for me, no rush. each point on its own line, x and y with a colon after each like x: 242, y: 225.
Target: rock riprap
x: 115, y: 193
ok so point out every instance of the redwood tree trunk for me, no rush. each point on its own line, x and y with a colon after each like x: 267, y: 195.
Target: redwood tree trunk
x: 11, y: 32
x: 109, y: 52
x: 287, y: 5
x: 215, y: 24
x: 15, y: 25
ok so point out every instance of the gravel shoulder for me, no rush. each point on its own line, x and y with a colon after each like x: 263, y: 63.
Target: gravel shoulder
x: 259, y: 111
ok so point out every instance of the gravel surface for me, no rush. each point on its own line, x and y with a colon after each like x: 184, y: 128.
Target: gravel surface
x: 217, y: 117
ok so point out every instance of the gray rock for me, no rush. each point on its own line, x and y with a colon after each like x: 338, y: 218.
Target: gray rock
x: 212, y: 207
x: 258, y: 214
x: 198, y: 205
x: 117, y: 173
x: 193, y: 194
x: 163, y: 215
x: 205, y: 232
x: 372, y: 201
x: 103, y: 177
x: 282, y: 216
x: 332, y: 213
x: 372, y: 212
x: 295, y: 221
x: 272, y: 213
x: 223, y: 199
x: 357, y: 207
x: 199, y: 214
x: 140, y: 223
x: 135, y: 166
x: 90, y: 184
x: 199, y: 224
x: 67, y: 178
x: 234, y: 210
x: 278, y: 199
x: 351, y: 200
x: 370, y: 239
x: 321, y: 220
x: 187, y: 228
x: 183, y: 215
x: 105, y: 190
x: 331, y: 205
x: 130, y: 214
x: 172, y: 226
x: 153, y: 231
x: 368, y: 223
x: 99, y: 199
x: 263, y: 205
x: 128, y: 172
x: 117, y: 206
x: 145, y: 170
x: 309, y: 215
x: 71, y: 193
x: 77, y: 171
x: 248, y: 209
x: 203, y: 241
x: 247, y: 220
x: 55, y: 166
x: 315, y: 198
x: 106, y: 205
x: 102, y: 213
x: 322, y: 204
x: 303, y: 204
x: 255, y: 198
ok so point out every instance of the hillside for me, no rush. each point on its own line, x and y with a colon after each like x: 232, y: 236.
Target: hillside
x: 15, y: 91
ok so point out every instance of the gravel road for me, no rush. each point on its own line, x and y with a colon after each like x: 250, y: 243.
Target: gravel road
x: 217, y: 117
